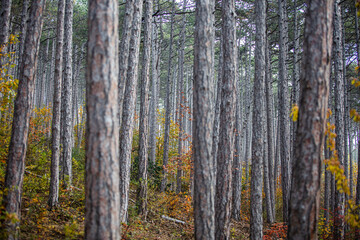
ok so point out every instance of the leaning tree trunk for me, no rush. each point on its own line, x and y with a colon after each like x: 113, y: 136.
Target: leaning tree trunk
x: 144, y: 111
x: 339, y: 116
x: 314, y: 84
x: 102, y: 198
x: 23, y: 27
x: 225, y: 151
x: 284, y: 124
x: 127, y: 126
x: 55, y: 137
x: 67, y: 96
x: 22, y: 109
x: 204, y: 221
x: 256, y: 220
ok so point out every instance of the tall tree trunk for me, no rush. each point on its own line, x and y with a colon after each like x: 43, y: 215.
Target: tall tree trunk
x: 102, y: 198
x: 5, y: 21
x: 55, y: 137
x: 67, y: 96
x: 127, y: 126
x: 168, y: 103
x: 269, y: 131
x: 43, y: 74
x: 124, y: 51
x: 339, y: 115
x: 215, y: 141
x: 154, y: 93
x: 237, y: 165
x: 204, y: 194
x: 284, y: 124
x: 314, y: 83
x: 22, y: 109
x: 144, y: 111
x: 181, y: 100
x: 227, y: 114
x: 23, y: 27
x: 256, y: 220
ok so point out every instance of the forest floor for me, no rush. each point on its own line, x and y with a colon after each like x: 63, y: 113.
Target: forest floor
x: 66, y: 221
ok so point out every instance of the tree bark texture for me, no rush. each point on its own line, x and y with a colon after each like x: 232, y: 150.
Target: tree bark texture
x: 22, y: 110
x: 67, y: 96
x: 204, y: 189
x: 55, y: 129
x: 5, y: 20
x: 284, y: 110
x: 124, y: 51
x: 314, y: 87
x: 256, y: 220
x: 225, y: 151
x: 102, y: 198
x: 128, y: 115
x: 168, y: 104
x: 144, y: 111
x: 339, y: 116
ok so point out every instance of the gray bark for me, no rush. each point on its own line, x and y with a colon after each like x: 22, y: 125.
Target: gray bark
x: 339, y: 115
x: 256, y: 220
x: 55, y: 129
x: 5, y: 21
x: 144, y: 111
x: 168, y: 103
x: 154, y: 93
x: 181, y: 100
x: 124, y: 52
x: 225, y: 151
x: 127, y: 126
x: 284, y: 124
x: 204, y: 191
x: 67, y: 96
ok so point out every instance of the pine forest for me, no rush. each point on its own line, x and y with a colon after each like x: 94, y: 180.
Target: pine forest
x: 180, y: 119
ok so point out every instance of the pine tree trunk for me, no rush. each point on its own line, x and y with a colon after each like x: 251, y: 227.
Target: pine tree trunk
x: 204, y: 221
x: 55, y: 137
x: 269, y: 131
x: 339, y: 116
x: 23, y: 28
x: 225, y: 152
x: 5, y: 21
x: 181, y: 101
x: 67, y: 96
x: 124, y: 51
x: 102, y: 198
x: 127, y: 126
x: 154, y: 93
x: 168, y: 104
x: 144, y: 111
x: 22, y: 109
x: 314, y: 83
x: 284, y: 124
x: 256, y: 220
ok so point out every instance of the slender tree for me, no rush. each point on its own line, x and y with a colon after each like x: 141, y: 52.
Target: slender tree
x: 55, y: 137
x: 102, y: 198
x: 314, y: 83
x: 67, y: 96
x: 144, y: 111
x: 225, y: 152
x: 284, y: 110
x: 168, y: 103
x: 256, y: 220
x: 19, y: 135
x: 127, y: 123
x: 339, y: 115
x: 204, y: 193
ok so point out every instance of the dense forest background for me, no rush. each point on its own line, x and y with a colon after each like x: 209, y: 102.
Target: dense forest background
x: 252, y: 102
